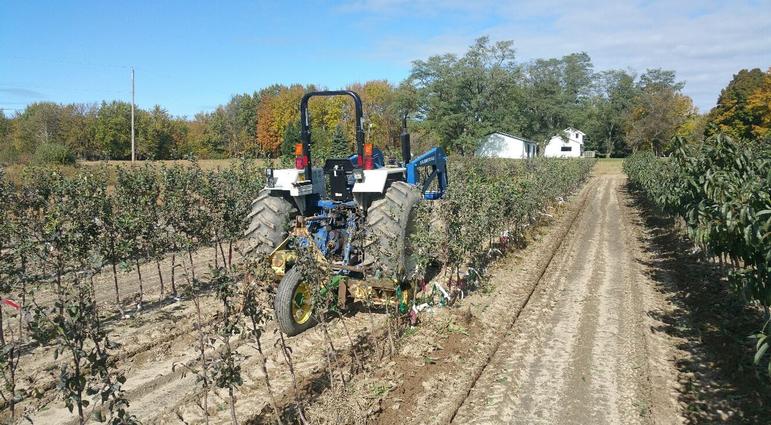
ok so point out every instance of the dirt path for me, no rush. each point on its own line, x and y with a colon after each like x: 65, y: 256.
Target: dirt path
x: 565, y: 337
x: 577, y: 354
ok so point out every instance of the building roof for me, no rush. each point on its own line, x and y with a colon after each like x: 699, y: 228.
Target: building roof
x: 568, y: 138
x: 510, y: 135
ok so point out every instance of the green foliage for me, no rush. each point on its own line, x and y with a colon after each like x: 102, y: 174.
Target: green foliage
x: 463, y: 98
x: 606, y: 112
x: 291, y: 137
x: 491, y: 202
x: 53, y: 153
x: 62, y: 229
x: 341, y: 147
x: 226, y: 369
x: 722, y: 190
x: 658, y: 113
x: 556, y: 95
x: 73, y: 323
x: 733, y: 115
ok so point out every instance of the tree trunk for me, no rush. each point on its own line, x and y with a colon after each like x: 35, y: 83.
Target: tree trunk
x: 141, y: 285
x: 2, y: 331
x: 13, y: 363
x: 93, y: 293
x: 290, y: 364
x: 225, y: 263
x: 59, y: 294
x: 114, y: 272
x: 232, y: 406
x: 23, y: 298
x: 173, y: 270
x: 160, y: 277
x: 264, y: 366
x: 115, y: 281
x: 192, y: 265
x: 217, y: 257
x: 79, y: 400
x: 202, y: 348
x: 23, y: 309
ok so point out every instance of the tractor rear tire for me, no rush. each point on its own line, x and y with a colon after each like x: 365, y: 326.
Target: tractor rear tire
x: 293, y: 304
x: 268, y: 223
x: 390, y: 221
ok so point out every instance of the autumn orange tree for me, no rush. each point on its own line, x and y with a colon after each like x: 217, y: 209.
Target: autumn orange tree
x: 759, y: 104
x: 278, y: 107
x: 381, y: 110
x: 278, y: 115
x: 743, y: 110
x: 659, y: 111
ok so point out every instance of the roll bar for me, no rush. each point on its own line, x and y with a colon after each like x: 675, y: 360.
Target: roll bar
x: 305, y: 123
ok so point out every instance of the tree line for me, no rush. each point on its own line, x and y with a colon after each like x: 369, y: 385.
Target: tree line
x: 453, y: 101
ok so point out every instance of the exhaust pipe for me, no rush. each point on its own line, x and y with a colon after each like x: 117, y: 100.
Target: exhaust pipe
x: 405, y: 139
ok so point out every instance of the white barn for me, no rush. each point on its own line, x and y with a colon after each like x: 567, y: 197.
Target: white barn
x: 504, y: 145
x: 571, y: 146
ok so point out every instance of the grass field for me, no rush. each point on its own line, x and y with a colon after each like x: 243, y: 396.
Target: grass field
x: 608, y: 166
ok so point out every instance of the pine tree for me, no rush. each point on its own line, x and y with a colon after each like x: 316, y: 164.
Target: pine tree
x: 291, y: 137
x: 340, y: 145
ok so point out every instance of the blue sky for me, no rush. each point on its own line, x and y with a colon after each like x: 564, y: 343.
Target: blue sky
x: 192, y: 55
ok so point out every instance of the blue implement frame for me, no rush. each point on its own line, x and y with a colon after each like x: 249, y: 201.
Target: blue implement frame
x: 437, y: 160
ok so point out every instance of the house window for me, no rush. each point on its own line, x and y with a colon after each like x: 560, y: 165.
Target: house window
x: 567, y: 148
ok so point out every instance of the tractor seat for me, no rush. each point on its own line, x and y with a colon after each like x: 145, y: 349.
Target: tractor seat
x: 340, y: 172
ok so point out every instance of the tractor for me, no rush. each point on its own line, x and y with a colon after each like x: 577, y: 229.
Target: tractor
x: 356, y: 214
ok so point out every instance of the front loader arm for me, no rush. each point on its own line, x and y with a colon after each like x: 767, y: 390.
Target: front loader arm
x: 437, y: 160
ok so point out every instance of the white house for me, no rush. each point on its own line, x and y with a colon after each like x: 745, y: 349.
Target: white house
x: 571, y: 146
x: 503, y: 145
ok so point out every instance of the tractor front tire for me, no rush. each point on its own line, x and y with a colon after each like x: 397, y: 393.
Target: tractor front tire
x: 268, y: 223
x: 293, y: 304
x: 390, y: 221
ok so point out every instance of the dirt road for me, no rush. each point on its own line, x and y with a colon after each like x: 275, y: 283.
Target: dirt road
x: 577, y: 354
x: 566, y: 336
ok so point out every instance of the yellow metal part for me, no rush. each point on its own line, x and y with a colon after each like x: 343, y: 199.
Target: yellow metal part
x: 377, y: 291
x: 406, y: 296
x: 302, y: 303
x: 280, y: 260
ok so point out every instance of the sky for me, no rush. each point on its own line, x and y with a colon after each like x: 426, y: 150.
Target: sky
x: 191, y: 56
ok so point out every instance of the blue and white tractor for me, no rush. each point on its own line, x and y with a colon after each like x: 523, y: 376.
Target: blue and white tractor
x: 355, y: 213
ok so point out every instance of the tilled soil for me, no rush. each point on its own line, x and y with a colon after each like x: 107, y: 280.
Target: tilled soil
x: 156, y: 346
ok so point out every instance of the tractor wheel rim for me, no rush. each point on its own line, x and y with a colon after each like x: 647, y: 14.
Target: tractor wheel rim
x: 302, y: 305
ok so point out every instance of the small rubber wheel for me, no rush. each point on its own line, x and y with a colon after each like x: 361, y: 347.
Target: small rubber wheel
x: 294, y: 304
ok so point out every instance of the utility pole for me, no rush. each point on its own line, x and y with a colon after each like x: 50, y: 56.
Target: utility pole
x: 133, y: 146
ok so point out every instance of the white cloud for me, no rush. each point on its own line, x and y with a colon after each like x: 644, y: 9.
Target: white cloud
x: 705, y: 42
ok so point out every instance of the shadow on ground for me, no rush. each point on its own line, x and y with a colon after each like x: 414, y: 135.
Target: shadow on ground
x: 719, y: 382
